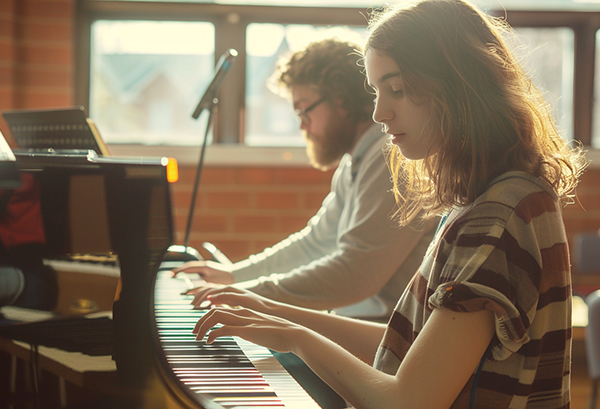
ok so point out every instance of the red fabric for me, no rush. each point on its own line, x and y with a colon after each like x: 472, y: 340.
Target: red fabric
x: 21, y: 221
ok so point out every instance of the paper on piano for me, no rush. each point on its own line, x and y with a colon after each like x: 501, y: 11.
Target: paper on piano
x: 83, y: 267
x: 25, y: 314
x: 6, y: 153
x: 75, y: 360
x: 9, y: 174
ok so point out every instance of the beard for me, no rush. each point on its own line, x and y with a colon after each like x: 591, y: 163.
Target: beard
x: 326, y: 149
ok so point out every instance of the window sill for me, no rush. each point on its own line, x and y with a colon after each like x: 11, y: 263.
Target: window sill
x: 219, y: 155
x: 240, y: 155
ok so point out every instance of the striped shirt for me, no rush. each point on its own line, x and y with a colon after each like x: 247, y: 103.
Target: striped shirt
x: 506, y: 252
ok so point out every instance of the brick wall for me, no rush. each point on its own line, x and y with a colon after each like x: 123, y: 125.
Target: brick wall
x: 240, y: 209
x: 243, y: 209
x: 36, y: 54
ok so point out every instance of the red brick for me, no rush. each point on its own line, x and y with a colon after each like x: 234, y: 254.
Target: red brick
x: 586, y: 200
x: 291, y: 224
x: 6, y: 76
x: 277, y: 200
x: 303, y: 176
x: 46, y: 31
x: 227, y: 200
x: 220, y: 175
x: 253, y: 224
x: 187, y: 174
x: 208, y: 223
x: 45, y: 77
x: 47, y: 9
x: 577, y: 225
x: 8, y: 6
x: 180, y: 199
x: 256, y: 175
x: 7, y: 51
x: 590, y: 179
x: 314, y: 199
x: 7, y: 27
x: 33, y: 100
x: 47, y: 54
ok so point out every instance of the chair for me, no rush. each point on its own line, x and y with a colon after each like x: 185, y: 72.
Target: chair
x: 592, y: 344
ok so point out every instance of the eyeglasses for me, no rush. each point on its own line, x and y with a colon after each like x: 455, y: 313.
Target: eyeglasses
x: 303, y: 114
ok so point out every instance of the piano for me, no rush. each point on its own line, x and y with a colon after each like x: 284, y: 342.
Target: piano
x: 122, y: 207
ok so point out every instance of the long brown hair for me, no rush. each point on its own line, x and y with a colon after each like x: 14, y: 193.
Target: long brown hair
x: 490, y: 116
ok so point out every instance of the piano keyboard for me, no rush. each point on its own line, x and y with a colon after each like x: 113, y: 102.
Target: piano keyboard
x: 231, y: 372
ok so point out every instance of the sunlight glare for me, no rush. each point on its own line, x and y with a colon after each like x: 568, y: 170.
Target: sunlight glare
x: 153, y: 37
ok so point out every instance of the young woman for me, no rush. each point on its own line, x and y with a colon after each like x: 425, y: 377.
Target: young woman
x: 486, y: 321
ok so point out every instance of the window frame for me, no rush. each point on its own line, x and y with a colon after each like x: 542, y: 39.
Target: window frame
x: 230, y: 23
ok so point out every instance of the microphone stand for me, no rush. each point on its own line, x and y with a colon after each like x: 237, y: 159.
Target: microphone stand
x: 208, y: 102
x: 185, y: 252
x: 211, y: 107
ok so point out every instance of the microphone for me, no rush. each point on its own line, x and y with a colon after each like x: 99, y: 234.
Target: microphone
x: 223, y: 66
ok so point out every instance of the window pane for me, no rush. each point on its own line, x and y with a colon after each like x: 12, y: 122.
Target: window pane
x: 549, y: 55
x: 596, y: 106
x: 147, y: 78
x: 270, y: 118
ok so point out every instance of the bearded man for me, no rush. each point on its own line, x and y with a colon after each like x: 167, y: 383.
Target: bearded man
x: 352, y: 256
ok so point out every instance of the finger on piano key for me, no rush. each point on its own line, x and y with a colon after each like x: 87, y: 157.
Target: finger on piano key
x: 231, y: 372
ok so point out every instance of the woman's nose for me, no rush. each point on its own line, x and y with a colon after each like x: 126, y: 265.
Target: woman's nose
x: 381, y: 113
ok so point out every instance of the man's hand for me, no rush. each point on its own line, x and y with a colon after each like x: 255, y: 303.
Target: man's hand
x: 209, y: 271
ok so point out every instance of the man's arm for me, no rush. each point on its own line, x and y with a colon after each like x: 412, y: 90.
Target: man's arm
x: 370, y: 249
x: 314, y: 241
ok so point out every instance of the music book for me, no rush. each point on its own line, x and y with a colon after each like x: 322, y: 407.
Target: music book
x: 62, y: 129
x: 9, y: 174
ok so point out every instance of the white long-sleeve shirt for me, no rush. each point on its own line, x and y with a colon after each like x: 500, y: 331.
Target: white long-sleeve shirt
x: 351, y: 251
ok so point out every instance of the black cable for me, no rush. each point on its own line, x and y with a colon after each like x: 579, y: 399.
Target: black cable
x: 34, y: 362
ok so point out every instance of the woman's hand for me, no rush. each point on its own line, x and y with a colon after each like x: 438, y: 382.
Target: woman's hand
x: 269, y: 331
x: 209, y: 271
x: 219, y: 295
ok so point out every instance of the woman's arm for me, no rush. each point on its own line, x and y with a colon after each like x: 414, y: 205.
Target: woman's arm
x: 359, y: 337
x: 435, y: 370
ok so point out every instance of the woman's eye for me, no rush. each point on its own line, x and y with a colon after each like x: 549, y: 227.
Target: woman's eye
x: 398, y: 92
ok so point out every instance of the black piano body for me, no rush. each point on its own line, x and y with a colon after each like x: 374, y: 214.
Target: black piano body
x: 121, y: 206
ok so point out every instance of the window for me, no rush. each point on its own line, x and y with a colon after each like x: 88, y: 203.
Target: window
x: 548, y: 55
x: 146, y: 77
x: 143, y: 66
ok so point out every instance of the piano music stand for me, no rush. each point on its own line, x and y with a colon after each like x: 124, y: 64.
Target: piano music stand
x: 49, y: 130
